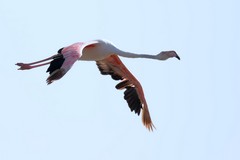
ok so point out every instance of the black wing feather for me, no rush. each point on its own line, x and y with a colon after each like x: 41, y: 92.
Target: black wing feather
x: 56, y: 63
x: 130, y: 94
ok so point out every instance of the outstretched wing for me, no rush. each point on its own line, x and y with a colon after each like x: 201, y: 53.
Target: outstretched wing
x: 133, y: 94
x: 64, y: 60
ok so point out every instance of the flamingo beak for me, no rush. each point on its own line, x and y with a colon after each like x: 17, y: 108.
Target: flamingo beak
x: 177, y: 57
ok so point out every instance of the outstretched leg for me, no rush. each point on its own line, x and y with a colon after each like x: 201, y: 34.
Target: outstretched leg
x: 26, y: 66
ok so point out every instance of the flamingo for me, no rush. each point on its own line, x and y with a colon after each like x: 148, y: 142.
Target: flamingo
x: 108, y: 62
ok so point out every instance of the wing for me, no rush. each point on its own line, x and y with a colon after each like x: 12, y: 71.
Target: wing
x: 61, y: 64
x: 133, y: 93
x: 65, y: 59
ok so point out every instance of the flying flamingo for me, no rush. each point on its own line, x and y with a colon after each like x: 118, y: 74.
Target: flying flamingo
x: 106, y: 56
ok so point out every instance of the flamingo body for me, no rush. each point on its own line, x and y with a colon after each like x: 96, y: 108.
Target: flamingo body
x: 106, y: 56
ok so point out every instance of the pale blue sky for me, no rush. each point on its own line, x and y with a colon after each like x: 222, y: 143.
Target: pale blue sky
x: 194, y: 103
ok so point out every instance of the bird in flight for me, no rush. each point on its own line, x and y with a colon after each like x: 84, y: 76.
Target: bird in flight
x: 108, y: 62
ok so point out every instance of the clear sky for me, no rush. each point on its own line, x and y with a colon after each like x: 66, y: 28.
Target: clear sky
x: 194, y: 103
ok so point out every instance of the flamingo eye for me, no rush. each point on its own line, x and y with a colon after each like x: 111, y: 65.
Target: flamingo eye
x: 60, y: 50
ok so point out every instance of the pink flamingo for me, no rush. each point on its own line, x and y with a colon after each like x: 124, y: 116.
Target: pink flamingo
x: 106, y: 56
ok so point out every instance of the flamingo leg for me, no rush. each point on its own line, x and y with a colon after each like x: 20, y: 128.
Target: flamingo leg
x: 26, y: 66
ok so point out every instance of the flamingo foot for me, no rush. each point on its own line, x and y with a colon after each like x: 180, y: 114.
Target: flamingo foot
x: 23, y: 66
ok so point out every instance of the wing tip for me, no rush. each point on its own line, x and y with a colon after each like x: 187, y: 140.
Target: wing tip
x: 56, y: 75
x: 146, y: 119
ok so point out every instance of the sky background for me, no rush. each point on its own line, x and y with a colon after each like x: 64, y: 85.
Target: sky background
x: 194, y: 103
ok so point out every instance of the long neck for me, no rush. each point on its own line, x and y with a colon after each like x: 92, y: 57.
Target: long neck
x: 134, y: 55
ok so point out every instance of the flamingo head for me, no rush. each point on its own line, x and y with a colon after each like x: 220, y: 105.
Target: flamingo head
x: 164, y: 55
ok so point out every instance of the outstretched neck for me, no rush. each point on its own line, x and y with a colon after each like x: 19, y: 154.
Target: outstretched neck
x: 134, y: 55
x: 164, y: 55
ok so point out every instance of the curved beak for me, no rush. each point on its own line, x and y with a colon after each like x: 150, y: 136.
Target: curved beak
x: 177, y: 57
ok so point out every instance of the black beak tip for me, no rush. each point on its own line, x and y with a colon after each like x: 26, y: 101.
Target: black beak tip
x: 178, y: 57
